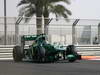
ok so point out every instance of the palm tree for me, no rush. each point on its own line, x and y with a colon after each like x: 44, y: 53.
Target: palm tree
x: 57, y: 9
x: 29, y: 8
x: 42, y: 8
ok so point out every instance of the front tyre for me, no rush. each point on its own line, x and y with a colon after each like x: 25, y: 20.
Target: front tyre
x: 71, y: 58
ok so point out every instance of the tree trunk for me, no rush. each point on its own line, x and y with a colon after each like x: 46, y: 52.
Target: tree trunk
x: 46, y: 22
x: 39, y: 25
x: 39, y: 18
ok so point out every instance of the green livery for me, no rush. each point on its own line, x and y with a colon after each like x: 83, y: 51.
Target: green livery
x: 41, y: 51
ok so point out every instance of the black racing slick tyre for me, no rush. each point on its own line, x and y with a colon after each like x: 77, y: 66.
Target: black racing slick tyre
x: 41, y: 54
x: 17, y: 54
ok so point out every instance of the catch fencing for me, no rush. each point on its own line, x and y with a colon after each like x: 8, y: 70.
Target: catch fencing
x: 62, y: 31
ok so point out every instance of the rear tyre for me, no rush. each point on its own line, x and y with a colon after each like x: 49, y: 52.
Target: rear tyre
x: 17, y: 54
x: 41, y: 54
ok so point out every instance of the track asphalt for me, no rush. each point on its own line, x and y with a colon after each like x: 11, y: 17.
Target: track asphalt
x: 80, y: 67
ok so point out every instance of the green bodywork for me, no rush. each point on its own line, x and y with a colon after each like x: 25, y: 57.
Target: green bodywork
x: 40, y: 50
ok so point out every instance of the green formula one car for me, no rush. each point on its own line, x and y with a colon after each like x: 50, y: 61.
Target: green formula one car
x: 41, y: 51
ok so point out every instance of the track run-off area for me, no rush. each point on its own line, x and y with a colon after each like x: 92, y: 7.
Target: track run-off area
x: 80, y: 67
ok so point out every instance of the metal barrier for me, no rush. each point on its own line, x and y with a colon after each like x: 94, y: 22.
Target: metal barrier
x: 6, y: 52
x: 94, y: 50
x: 88, y: 50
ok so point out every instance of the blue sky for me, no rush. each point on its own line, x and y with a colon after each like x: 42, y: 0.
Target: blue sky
x: 84, y: 9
